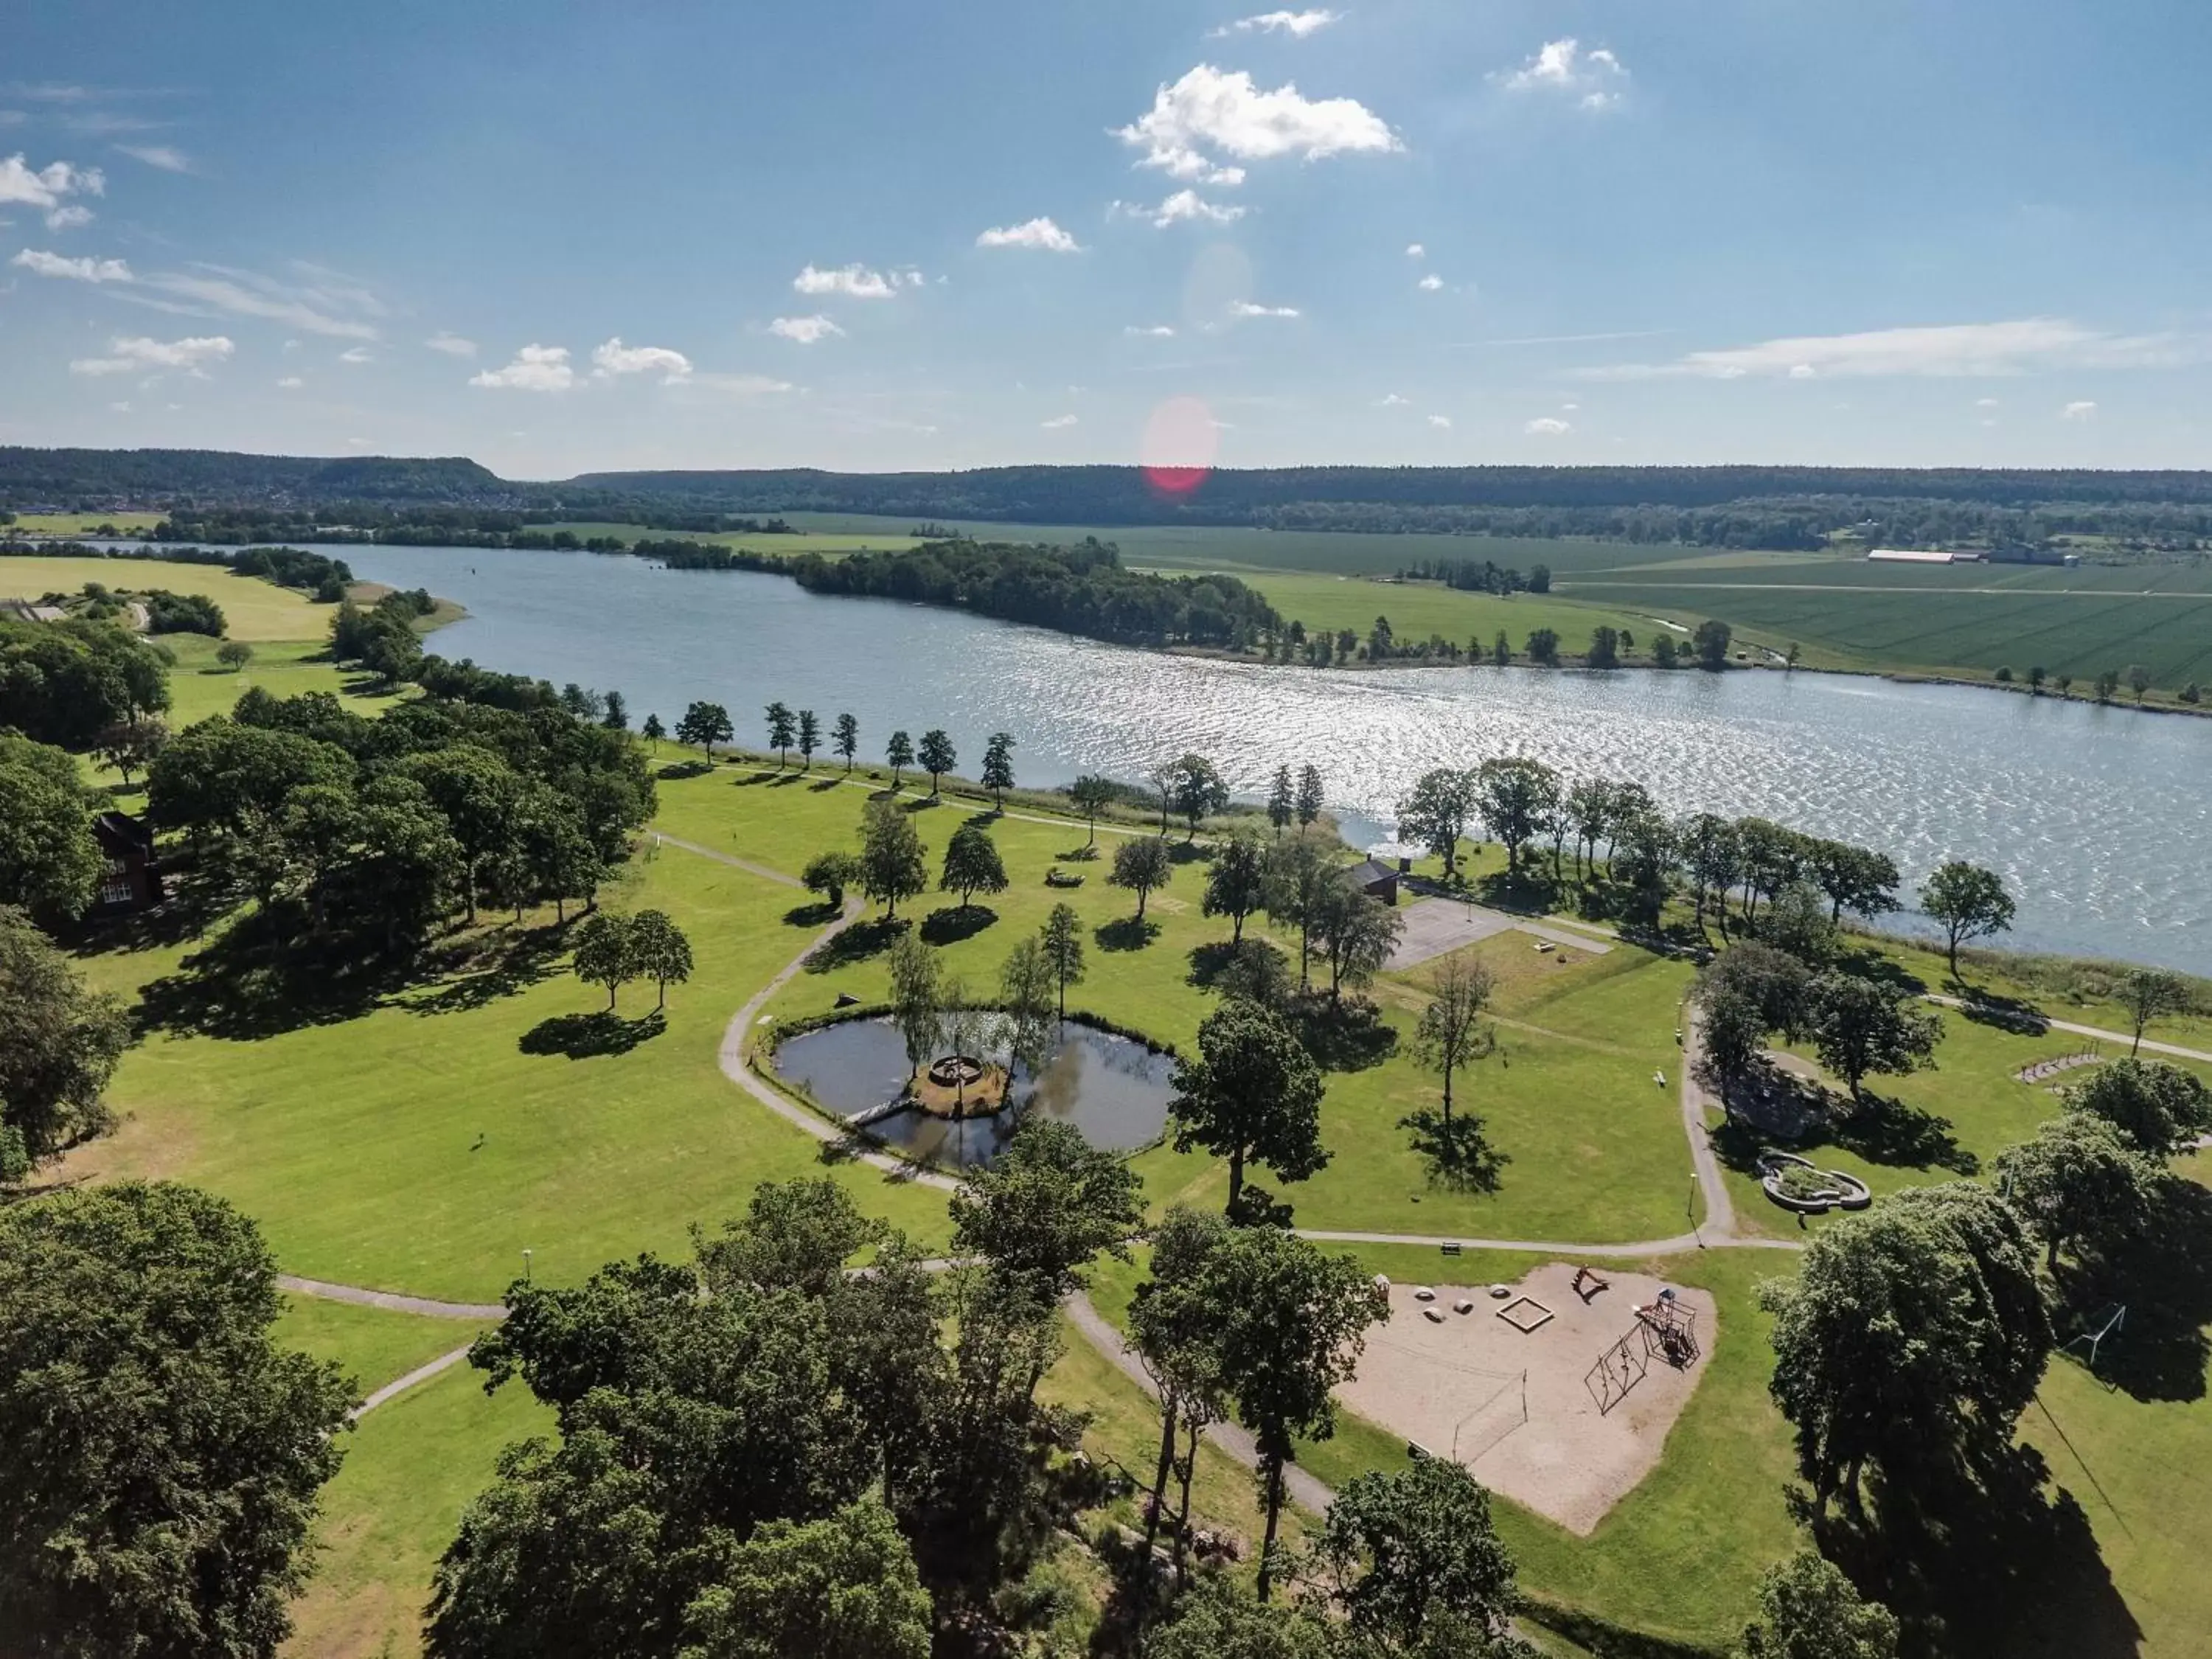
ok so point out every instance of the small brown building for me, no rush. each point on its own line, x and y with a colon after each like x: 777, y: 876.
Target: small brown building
x: 1376, y: 879
x: 130, y: 879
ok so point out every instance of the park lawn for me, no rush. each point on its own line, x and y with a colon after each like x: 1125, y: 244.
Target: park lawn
x: 411, y: 1467
x: 1597, y: 1148
x: 1418, y: 610
x: 199, y: 686
x: 253, y: 610
x: 376, y: 1345
x: 416, y: 1147
x: 1680, y: 1557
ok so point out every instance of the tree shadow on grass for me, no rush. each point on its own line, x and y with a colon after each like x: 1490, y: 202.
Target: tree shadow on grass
x: 1993, y: 1564
x: 954, y: 922
x: 256, y: 980
x: 674, y: 771
x: 1349, y: 1035
x: 586, y: 1036
x: 1777, y: 1108
x: 855, y: 943
x: 820, y: 913
x: 820, y: 784
x: 1209, y: 961
x: 2163, y: 1279
x: 1889, y: 1132
x: 1458, y: 1154
x: 199, y: 893
x: 489, y: 968
x: 1188, y: 852
x: 921, y: 804
x: 1126, y: 933
x: 2012, y: 1014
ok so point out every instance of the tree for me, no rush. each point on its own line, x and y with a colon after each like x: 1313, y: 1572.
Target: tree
x: 1216, y: 1620
x: 703, y: 726
x: 2080, y: 1182
x: 1860, y: 1026
x: 999, y: 767
x: 899, y: 754
x: 1282, y: 803
x: 972, y: 865
x: 1501, y: 650
x: 1044, y: 1208
x: 1293, y: 1323
x: 843, y: 1587
x: 937, y: 755
x: 1300, y: 874
x: 1092, y: 795
x: 1970, y: 902
x: 2138, y: 681
x: 1452, y: 1033
x: 1252, y: 1095
x: 234, y: 655
x: 1026, y: 993
x: 1714, y: 858
x: 659, y: 951
x: 1195, y: 786
x: 1412, y: 1556
x: 1062, y: 939
x: 1914, y: 1334
x: 1604, y: 648
x: 160, y: 1451
x: 653, y: 732
x: 1142, y: 864
x: 1808, y: 1610
x: 59, y: 1044
x: 1797, y: 923
x: 1712, y: 641
x: 845, y: 739
x: 782, y: 729
x: 1855, y: 880
x: 606, y: 952
x: 64, y: 682
x: 891, y: 867
x: 1516, y: 795
x: 1171, y: 1331
x: 1543, y: 647
x: 2158, y: 1109
x: 829, y: 874
x: 1436, y: 813
x: 2149, y: 993
x: 918, y: 998
x: 131, y: 745
x: 49, y: 862
x: 616, y: 717
x: 1354, y: 932
x: 221, y: 775
x: 406, y: 865
x: 1587, y: 809
x: 810, y: 737
x: 1309, y: 796
x: 478, y: 792
x: 1235, y: 885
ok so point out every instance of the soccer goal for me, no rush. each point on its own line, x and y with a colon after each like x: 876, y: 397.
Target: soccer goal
x: 1505, y: 1410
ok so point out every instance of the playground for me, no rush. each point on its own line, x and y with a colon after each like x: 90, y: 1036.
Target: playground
x: 1559, y: 1394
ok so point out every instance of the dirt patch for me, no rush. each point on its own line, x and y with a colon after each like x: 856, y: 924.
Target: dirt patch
x: 1457, y: 1389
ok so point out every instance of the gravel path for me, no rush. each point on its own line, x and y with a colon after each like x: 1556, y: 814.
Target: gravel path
x: 2068, y: 1025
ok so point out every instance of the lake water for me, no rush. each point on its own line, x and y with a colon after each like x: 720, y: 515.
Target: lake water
x: 1113, y: 1089
x: 2097, y: 817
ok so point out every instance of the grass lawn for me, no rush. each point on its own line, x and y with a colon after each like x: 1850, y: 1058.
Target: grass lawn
x: 375, y: 1344
x: 1597, y: 1148
x: 418, y: 1146
x: 253, y: 610
x: 1417, y: 610
x: 81, y: 524
x: 411, y: 1466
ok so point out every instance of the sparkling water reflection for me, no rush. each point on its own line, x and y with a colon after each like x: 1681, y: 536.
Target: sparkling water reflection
x: 2096, y: 816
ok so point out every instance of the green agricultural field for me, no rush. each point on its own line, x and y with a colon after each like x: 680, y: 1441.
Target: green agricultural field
x: 812, y: 541
x: 1418, y: 610
x: 81, y: 523
x: 421, y: 1144
x: 253, y: 610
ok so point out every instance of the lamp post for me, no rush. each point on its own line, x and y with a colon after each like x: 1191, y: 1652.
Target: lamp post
x: 526, y: 1264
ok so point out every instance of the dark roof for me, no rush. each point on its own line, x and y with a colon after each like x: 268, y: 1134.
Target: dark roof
x: 123, y: 828
x: 1371, y: 871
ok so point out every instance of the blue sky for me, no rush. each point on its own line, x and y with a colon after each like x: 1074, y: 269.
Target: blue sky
x: 872, y: 235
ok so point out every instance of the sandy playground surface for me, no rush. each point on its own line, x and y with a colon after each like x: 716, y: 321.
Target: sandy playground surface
x: 1461, y: 1382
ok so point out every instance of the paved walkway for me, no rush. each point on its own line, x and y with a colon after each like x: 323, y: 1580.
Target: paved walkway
x: 390, y: 1301
x: 1436, y: 927
x: 398, y: 1386
x: 745, y: 865
x: 2150, y: 1043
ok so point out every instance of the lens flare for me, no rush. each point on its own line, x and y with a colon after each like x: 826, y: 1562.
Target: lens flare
x: 1181, y: 443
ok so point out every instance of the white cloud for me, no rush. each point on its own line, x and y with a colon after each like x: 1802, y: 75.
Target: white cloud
x: 42, y: 263
x: 1156, y: 332
x: 1441, y: 422
x: 1058, y: 422
x: 452, y: 345
x: 316, y: 307
x: 1547, y: 426
x: 805, y: 331
x: 855, y: 282
x: 291, y: 383
x: 1296, y: 24
x: 357, y: 355
x: 1429, y: 283
x: 535, y: 368
x: 1391, y: 400
x: 739, y: 385
x: 167, y: 157
x: 1246, y: 308
x: 1954, y: 349
x: 1592, y: 78
x: 1415, y: 251
x: 1222, y: 110
x: 1040, y: 233
x: 47, y: 187
x: 1985, y: 403
x: 616, y: 358
x: 71, y: 217
x: 1184, y: 207
x: 139, y: 355
x: 2079, y: 410
x: 1189, y: 164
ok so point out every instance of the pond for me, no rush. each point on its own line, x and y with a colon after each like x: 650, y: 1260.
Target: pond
x: 1113, y: 1089
x: 2096, y: 817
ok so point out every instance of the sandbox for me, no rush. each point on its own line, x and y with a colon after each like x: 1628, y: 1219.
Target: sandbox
x: 1458, y: 1389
